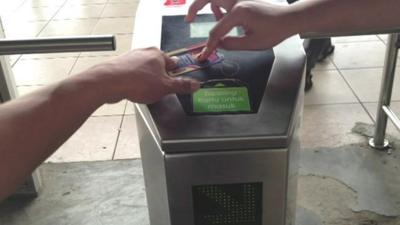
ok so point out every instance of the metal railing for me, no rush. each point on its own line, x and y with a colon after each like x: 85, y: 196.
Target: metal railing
x: 378, y: 141
x: 384, y: 111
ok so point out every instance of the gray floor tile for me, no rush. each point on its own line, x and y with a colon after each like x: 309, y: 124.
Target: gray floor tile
x: 359, y: 55
x: 366, y: 83
x: 329, y: 88
x: 128, y: 143
x: 330, y: 125
x: 95, y: 140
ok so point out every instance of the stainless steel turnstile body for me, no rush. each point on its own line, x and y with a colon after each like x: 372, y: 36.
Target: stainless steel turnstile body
x: 222, y: 169
x: 245, y: 164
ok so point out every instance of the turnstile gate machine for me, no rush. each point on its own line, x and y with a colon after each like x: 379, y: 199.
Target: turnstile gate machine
x: 207, y: 161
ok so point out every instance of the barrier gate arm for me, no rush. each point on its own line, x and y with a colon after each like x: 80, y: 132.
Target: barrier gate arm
x: 32, y: 185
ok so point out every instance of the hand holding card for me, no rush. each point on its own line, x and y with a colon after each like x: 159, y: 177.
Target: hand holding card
x: 187, y: 60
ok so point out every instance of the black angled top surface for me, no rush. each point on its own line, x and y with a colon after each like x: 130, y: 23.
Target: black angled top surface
x: 270, y: 127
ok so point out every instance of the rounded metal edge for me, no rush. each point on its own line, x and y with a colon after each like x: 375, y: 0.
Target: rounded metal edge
x: 385, y: 146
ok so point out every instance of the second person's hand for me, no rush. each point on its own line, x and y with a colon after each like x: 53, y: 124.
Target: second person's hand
x: 265, y: 24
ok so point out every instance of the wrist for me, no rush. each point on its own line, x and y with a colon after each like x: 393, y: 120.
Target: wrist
x: 296, y: 19
x: 102, y: 82
x: 88, y: 87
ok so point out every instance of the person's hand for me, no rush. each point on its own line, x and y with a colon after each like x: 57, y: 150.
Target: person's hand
x: 141, y: 76
x: 265, y: 24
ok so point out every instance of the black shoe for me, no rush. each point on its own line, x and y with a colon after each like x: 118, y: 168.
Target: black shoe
x: 326, y: 52
x: 309, y: 82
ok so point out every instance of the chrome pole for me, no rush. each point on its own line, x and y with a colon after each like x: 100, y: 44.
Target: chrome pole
x: 378, y: 141
x: 57, y: 44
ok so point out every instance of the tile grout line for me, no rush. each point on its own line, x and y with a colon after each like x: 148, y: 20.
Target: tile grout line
x: 41, y: 30
x: 354, y: 92
x: 123, y: 116
x: 91, y: 33
x: 119, y: 130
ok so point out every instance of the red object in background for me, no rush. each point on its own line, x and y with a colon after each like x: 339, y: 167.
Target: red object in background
x: 174, y: 2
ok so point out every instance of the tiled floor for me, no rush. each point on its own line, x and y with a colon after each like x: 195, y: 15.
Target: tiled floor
x: 345, y: 88
x: 110, y: 133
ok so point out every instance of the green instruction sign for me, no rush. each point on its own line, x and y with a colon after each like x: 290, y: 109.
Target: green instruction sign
x: 218, y: 100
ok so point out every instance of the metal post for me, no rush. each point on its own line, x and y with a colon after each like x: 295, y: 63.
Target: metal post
x: 378, y: 141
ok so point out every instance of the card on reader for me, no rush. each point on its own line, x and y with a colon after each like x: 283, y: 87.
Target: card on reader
x: 187, y: 60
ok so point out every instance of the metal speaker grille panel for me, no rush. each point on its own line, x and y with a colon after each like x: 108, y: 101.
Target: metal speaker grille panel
x: 228, y: 204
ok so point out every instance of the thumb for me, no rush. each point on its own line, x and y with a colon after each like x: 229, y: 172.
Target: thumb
x: 183, y: 85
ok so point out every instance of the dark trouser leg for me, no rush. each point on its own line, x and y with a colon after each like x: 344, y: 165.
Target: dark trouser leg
x: 316, y: 51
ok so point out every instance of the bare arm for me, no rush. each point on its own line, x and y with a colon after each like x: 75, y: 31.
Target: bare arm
x: 34, y: 126
x: 268, y: 24
x: 344, y: 15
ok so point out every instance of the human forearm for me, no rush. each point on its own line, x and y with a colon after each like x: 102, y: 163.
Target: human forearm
x: 337, y: 16
x: 34, y: 126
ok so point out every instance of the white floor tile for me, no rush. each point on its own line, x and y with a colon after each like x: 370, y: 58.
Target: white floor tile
x: 114, y: 26
x: 366, y: 83
x: 130, y: 108
x: 95, y: 140
x: 116, y: 109
x: 128, y: 143
x: 395, y: 106
x: 24, y: 90
x: 69, y: 27
x: 40, y: 72
x: 360, y: 38
x: 330, y: 125
x: 79, y: 12
x: 324, y: 65
x: 329, y: 88
x: 85, y: 63
x: 359, y: 55
x: 41, y: 3
x: 22, y: 29
x: 120, y: 10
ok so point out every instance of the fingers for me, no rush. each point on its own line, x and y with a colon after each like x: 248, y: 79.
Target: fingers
x: 217, y: 33
x: 239, y: 43
x: 170, y: 62
x: 183, y: 85
x: 194, y: 8
x: 217, y: 11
